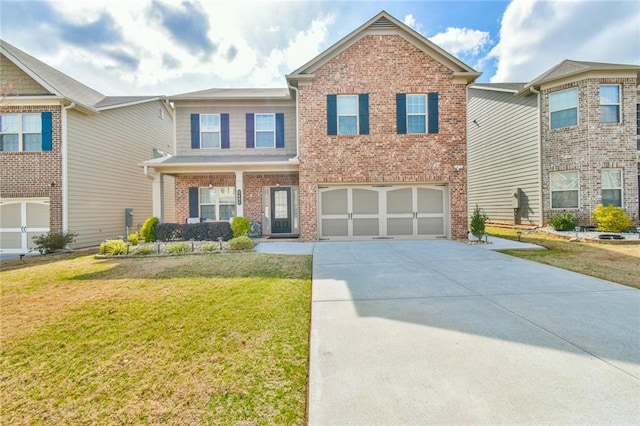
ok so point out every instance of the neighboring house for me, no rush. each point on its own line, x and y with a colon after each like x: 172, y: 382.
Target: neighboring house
x: 564, y: 142
x: 69, y: 155
x: 368, y: 141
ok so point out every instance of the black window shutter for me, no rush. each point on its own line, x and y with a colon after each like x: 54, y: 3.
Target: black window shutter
x: 250, y: 131
x: 47, y: 131
x: 279, y: 130
x: 432, y: 107
x: 195, y: 131
x: 224, y: 130
x: 363, y: 113
x: 194, y: 205
x: 332, y: 115
x: 401, y: 113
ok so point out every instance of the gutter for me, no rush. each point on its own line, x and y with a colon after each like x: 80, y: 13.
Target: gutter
x: 65, y: 166
x: 295, y: 89
x: 539, y: 130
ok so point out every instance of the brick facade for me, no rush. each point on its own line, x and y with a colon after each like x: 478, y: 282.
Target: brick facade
x: 382, y: 65
x: 591, y: 146
x: 35, y: 174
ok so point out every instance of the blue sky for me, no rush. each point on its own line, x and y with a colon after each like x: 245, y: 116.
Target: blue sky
x: 169, y: 47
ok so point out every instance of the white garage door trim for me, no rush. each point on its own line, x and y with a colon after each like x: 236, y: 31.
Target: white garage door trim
x: 16, y: 233
x: 364, y: 212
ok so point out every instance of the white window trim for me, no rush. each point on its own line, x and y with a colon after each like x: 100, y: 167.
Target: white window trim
x: 217, y: 204
x: 621, y: 188
x: 426, y: 106
x: 618, y: 104
x: 577, y: 107
x: 356, y: 115
x: 21, y: 134
x: 256, y: 131
x: 219, y: 132
x: 551, y: 191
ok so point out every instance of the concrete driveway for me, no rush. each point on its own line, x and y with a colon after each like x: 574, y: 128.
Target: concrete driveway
x: 441, y: 332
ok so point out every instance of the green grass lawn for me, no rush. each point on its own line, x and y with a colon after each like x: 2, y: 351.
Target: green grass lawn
x: 617, y: 263
x: 215, y: 339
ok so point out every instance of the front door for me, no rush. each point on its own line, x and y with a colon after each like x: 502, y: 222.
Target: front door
x: 280, y: 210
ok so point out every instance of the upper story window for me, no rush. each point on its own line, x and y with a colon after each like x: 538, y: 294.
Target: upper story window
x: 209, y: 130
x: 416, y: 114
x: 20, y: 132
x: 347, y: 115
x: 612, y: 187
x: 563, y: 107
x: 638, y: 127
x: 265, y: 130
x: 565, y: 187
x: 609, y: 103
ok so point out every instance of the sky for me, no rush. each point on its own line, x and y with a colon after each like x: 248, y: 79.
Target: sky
x: 167, y: 47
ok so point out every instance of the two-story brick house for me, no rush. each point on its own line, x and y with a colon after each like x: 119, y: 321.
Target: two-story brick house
x: 69, y: 154
x: 564, y: 142
x: 368, y: 141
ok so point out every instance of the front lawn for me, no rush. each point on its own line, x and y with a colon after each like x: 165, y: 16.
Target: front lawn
x: 217, y: 339
x: 617, y: 263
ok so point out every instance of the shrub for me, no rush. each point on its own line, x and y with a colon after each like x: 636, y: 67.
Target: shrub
x: 134, y: 239
x: 210, y: 247
x: 240, y: 226
x: 48, y: 243
x: 144, y: 251
x: 169, y: 231
x: 611, y: 218
x: 241, y: 243
x: 478, y: 221
x: 113, y: 248
x: 179, y: 248
x: 563, y: 222
x: 148, y: 231
x: 205, y: 231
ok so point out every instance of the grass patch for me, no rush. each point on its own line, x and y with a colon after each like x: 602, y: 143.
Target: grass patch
x: 617, y: 263
x: 220, y: 339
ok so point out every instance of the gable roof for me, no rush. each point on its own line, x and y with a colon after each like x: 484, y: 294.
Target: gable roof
x: 499, y: 87
x: 384, y: 23
x: 119, y: 101
x: 569, y: 67
x: 54, y: 81
x: 234, y: 93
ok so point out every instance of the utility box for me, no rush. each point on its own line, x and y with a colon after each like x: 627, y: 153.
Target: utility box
x: 515, y: 198
x: 128, y: 217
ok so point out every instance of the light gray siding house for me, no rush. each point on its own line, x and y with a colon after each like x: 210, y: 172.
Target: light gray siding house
x: 69, y: 155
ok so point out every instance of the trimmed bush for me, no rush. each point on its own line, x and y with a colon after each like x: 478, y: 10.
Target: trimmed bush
x: 134, y: 239
x: 240, y: 226
x: 144, y: 251
x: 179, y: 248
x: 205, y: 231
x: 48, y: 243
x: 241, y: 243
x: 148, y: 231
x: 611, y: 218
x: 113, y: 248
x: 563, y: 222
x: 478, y: 221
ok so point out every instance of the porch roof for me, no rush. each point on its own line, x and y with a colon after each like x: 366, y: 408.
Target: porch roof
x: 195, y: 164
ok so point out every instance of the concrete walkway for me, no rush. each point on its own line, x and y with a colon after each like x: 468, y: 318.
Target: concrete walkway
x: 441, y: 332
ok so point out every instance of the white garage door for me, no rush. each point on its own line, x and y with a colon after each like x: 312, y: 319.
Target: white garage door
x: 369, y: 212
x: 20, y: 221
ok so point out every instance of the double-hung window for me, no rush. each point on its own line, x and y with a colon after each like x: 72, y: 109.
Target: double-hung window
x: 565, y: 188
x: 609, y: 103
x: 612, y: 187
x: 217, y: 203
x: 209, y: 130
x: 20, y: 132
x: 265, y: 130
x: 564, y: 108
x: 347, y: 114
x: 416, y: 114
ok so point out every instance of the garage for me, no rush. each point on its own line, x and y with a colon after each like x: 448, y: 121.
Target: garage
x: 20, y: 221
x: 383, y: 212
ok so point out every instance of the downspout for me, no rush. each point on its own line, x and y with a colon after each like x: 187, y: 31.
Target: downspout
x: 295, y: 89
x: 65, y: 167
x: 539, y: 130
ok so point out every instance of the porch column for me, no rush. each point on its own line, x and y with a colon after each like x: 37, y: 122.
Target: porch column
x: 158, y: 192
x: 239, y: 193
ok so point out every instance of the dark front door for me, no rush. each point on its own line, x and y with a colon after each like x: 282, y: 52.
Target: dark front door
x: 280, y: 210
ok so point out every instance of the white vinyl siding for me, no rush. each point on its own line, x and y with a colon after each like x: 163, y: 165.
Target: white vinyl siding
x: 612, y: 187
x: 347, y: 114
x: 563, y: 107
x: 565, y: 190
x: 503, y: 154
x: 104, y: 153
x: 610, y: 103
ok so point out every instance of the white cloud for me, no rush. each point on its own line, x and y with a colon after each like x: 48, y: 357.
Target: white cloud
x: 462, y: 41
x: 536, y: 35
x: 410, y: 21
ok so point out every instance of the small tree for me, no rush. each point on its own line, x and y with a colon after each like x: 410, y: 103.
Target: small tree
x: 478, y: 221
